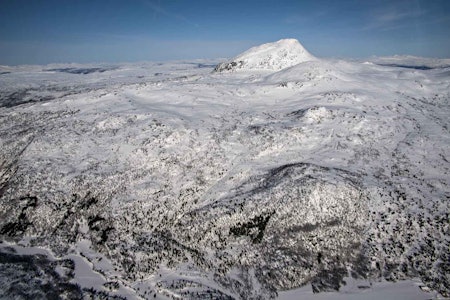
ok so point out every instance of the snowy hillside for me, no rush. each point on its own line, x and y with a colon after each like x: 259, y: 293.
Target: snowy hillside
x: 271, y: 56
x: 174, y: 181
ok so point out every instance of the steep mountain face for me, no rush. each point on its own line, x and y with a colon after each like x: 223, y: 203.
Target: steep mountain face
x: 271, y: 56
x: 171, y: 181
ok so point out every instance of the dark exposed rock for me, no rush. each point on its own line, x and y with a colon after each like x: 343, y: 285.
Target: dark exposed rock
x: 81, y: 71
x: 418, y: 67
x: 228, y: 66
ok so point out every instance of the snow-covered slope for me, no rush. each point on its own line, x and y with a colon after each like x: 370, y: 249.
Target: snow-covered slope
x: 271, y: 56
x: 175, y: 181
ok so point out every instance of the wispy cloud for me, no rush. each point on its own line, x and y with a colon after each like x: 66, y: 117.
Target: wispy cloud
x: 393, y: 17
x: 158, y: 9
x: 305, y: 18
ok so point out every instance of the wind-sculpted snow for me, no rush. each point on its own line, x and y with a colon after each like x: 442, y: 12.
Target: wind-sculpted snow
x: 176, y: 181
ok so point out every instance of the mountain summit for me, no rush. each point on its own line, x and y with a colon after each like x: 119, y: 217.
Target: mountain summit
x: 271, y: 56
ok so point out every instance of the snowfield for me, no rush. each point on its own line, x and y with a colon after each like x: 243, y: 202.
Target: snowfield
x: 238, y: 180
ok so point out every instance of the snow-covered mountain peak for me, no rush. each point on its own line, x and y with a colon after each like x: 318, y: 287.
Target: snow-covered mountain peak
x: 271, y: 56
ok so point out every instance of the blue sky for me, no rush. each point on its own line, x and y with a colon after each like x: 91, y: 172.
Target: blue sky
x: 47, y: 31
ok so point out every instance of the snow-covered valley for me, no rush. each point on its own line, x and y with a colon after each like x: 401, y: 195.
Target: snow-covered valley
x: 186, y: 180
